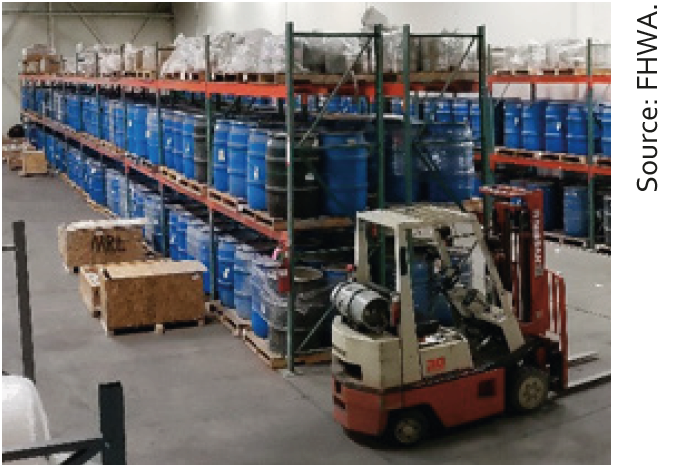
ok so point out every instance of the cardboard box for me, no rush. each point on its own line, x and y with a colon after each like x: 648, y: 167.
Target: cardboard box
x: 50, y: 64
x: 90, y: 289
x: 153, y: 292
x: 101, y: 242
x: 33, y: 163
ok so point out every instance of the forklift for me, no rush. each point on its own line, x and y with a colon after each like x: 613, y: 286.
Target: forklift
x: 507, y: 349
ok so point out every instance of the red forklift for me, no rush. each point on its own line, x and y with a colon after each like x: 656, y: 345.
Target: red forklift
x: 506, y: 349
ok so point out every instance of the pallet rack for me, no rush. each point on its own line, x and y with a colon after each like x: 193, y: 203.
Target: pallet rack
x: 374, y: 89
x: 590, y: 169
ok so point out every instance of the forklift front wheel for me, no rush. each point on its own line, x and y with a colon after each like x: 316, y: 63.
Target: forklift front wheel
x: 408, y: 427
x: 529, y: 389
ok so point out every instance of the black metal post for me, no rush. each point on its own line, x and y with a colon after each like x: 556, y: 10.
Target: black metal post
x: 25, y: 319
x: 112, y: 423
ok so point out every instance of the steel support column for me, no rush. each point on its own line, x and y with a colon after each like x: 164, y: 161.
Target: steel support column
x: 591, y: 146
x: 289, y: 81
x: 486, y: 125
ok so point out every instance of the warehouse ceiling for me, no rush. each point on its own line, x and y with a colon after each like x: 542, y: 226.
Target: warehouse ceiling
x: 100, y: 8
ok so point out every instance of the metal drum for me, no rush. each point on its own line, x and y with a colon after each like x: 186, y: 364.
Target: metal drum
x: 225, y: 277
x: 345, y: 172
x: 220, y: 155
x: 238, y: 138
x: 576, y: 211
x: 605, y: 119
x: 533, y: 125
x: 307, y: 198
x: 256, y: 168
x: 556, y: 126
x: 153, y: 136
x: 512, y: 123
x: 453, y: 156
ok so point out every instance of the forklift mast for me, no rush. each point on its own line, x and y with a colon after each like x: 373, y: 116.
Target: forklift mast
x: 516, y: 241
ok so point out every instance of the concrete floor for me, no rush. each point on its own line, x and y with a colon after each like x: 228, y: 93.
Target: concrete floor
x: 199, y: 396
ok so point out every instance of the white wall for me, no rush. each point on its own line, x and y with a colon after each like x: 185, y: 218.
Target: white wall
x: 506, y: 24
x: 19, y: 31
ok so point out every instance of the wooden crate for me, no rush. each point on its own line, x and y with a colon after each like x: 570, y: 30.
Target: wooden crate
x: 150, y: 293
x: 90, y: 289
x: 100, y: 242
x: 33, y: 163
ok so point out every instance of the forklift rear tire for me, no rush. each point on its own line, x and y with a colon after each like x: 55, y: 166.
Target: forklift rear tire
x: 408, y: 427
x: 528, y: 389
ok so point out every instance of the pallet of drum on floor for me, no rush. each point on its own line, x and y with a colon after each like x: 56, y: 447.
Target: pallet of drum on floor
x: 603, y: 248
x: 226, y: 199
x: 277, y: 361
x: 158, y: 328
x: 229, y: 318
x: 562, y: 239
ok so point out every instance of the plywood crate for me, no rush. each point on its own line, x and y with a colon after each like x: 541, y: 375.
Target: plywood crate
x: 146, y: 293
x: 33, y: 163
x: 101, y: 241
x: 90, y: 289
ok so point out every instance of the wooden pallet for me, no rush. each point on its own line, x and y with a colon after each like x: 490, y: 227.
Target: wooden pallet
x: 516, y: 71
x: 171, y: 174
x: 229, y: 318
x: 141, y: 74
x: 194, y: 186
x: 595, y: 71
x: 158, y: 328
x: 46, y: 173
x: 184, y: 76
x: 232, y: 202
x: 602, y: 161
x: 561, y: 239
x: 603, y: 248
x: 277, y: 361
x: 564, y: 157
x: 299, y: 224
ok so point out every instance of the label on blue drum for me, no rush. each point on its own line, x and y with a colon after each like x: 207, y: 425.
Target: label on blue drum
x: 222, y: 155
x: 226, y: 273
x: 129, y: 123
x: 147, y: 133
x: 310, y: 177
x: 256, y: 173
